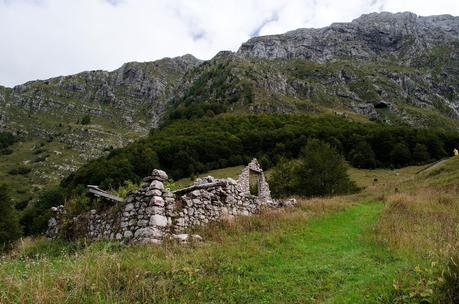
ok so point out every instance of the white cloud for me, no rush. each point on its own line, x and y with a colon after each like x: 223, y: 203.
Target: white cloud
x: 45, y: 38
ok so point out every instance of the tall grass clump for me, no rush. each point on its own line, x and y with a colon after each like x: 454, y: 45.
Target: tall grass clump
x: 425, y: 225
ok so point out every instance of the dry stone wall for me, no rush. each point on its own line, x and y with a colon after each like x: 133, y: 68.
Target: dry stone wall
x: 152, y: 213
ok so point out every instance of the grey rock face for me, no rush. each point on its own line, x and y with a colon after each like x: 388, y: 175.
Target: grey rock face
x: 123, y: 105
x: 370, y: 37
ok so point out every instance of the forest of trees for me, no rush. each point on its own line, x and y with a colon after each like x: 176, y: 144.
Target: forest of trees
x: 186, y: 147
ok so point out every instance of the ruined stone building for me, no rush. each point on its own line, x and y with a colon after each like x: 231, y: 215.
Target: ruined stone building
x: 152, y: 213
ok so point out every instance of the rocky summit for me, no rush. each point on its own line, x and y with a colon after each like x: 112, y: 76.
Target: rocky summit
x: 383, y: 37
x: 392, y: 68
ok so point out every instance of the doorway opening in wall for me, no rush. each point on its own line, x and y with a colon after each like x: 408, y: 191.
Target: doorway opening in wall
x: 254, y: 178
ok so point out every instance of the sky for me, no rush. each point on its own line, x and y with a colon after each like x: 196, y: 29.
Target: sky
x: 40, y: 39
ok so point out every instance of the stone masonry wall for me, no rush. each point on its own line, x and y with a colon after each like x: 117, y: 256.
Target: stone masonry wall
x: 152, y: 213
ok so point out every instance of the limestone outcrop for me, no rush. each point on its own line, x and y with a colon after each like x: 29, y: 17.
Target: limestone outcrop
x: 376, y: 36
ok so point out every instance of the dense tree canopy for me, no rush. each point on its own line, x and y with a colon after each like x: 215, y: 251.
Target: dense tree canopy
x: 187, y: 147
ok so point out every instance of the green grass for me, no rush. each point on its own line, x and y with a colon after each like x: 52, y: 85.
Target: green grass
x: 44, y: 172
x: 348, y: 249
x: 328, y: 259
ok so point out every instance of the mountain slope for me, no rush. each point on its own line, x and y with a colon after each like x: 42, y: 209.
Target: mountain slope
x: 65, y: 121
x: 396, y: 68
x: 392, y: 68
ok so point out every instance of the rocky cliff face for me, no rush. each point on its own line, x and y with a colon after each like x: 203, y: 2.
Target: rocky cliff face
x: 392, y: 68
x: 127, y: 100
x: 66, y: 121
x: 372, y: 37
x: 133, y: 95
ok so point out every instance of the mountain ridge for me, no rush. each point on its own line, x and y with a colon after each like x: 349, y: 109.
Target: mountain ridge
x: 363, y: 28
x: 391, y: 68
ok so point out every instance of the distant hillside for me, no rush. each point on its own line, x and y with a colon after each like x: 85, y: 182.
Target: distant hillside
x: 393, y: 68
x: 397, y: 69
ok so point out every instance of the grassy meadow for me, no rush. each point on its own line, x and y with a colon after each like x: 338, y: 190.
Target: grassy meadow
x: 395, y: 241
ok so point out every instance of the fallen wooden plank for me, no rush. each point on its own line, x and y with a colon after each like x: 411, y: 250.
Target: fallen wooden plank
x: 101, y: 193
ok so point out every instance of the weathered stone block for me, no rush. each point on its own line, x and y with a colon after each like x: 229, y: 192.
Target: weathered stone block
x: 142, y: 223
x: 156, y: 185
x: 154, y: 192
x: 157, y: 201
x: 158, y: 220
x: 148, y: 233
x: 159, y: 175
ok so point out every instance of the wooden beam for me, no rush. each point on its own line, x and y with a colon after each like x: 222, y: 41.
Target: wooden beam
x: 101, y: 193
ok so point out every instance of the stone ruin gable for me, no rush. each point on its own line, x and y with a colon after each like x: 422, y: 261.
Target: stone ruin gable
x: 243, y: 183
x: 152, y: 213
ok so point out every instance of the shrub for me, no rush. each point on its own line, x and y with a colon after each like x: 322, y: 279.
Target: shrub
x: 86, y: 120
x: 283, y: 180
x: 6, y: 140
x: 320, y: 170
x: 10, y: 229
x: 21, y: 170
x: 5, y: 151
x: 36, y: 215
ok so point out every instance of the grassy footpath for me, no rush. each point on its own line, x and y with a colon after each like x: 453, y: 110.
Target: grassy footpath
x: 326, y: 259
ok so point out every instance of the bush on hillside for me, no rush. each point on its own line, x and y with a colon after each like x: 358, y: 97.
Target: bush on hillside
x: 21, y: 170
x: 86, y: 120
x: 283, y: 180
x: 400, y: 155
x: 10, y: 230
x: 6, y: 139
x: 36, y: 215
x: 320, y: 170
